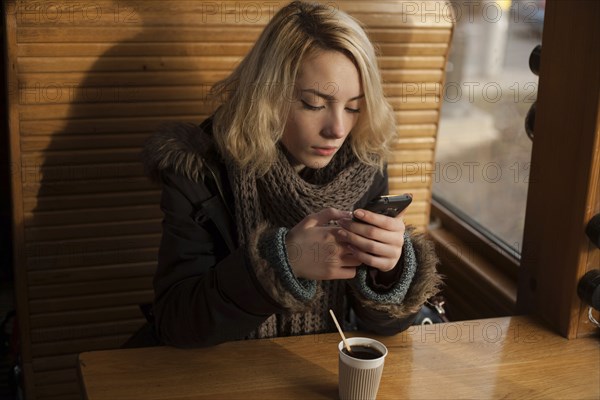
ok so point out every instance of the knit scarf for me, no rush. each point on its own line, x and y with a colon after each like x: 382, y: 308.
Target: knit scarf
x: 282, y: 198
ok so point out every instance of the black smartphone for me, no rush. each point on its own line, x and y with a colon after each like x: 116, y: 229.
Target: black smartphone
x: 389, y: 205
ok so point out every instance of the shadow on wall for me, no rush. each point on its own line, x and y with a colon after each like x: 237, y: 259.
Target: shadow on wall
x: 6, y: 272
x: 111, y: 74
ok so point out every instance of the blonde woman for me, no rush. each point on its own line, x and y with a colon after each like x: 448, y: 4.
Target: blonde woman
x: 258, y: 236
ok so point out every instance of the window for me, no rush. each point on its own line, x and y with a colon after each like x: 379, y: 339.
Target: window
x: 483, y: 153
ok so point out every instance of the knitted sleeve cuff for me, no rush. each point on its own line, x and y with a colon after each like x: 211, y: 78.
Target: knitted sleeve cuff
x: 271, y: 264
x: 418, y: 281
x: 397, y: 291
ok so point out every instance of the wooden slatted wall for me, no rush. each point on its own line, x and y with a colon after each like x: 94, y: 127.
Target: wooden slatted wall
x: 88, y: 81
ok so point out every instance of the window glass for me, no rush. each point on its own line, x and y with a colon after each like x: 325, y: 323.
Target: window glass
x: 483, y: 152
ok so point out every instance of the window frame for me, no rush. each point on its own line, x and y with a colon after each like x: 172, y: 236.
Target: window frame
x: 550, y: 265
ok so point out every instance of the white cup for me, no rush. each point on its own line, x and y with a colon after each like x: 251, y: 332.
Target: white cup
x: 358, y: 378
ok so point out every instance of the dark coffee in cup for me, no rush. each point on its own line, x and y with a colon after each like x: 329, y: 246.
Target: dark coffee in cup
x: 363, y: 352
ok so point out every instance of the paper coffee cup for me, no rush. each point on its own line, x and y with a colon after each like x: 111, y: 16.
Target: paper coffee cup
x: 359, y: 379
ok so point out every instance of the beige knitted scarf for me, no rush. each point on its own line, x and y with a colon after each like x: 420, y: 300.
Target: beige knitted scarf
x: 282, y: 198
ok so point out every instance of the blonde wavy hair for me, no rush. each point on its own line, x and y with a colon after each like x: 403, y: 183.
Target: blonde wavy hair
x: 256, y: 96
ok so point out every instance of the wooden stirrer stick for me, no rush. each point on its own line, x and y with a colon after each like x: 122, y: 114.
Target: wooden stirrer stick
x: 341, y: 333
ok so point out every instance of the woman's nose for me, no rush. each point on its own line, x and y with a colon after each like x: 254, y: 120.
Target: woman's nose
x: 335, y: 127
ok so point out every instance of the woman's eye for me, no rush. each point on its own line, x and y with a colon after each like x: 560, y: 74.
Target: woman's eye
x: 309, y: 107
x: 353, y: 110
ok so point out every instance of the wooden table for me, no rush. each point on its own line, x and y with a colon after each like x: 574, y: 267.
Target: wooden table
x: 511, y: 357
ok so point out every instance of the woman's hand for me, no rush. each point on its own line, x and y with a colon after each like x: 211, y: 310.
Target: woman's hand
x: 376, y: 241
x: 314, y: 250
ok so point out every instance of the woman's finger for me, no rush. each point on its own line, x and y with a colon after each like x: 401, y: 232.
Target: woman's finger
x: 375, y: 219
x: 376, y: 233
x: 383, y: 264
x: 369, y: 246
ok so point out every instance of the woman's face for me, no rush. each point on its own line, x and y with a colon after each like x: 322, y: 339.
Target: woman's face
x: 325, y: 108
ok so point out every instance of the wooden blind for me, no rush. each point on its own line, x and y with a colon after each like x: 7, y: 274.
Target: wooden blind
x: 87, y: 83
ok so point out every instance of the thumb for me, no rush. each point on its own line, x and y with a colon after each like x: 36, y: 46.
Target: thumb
x: 327, y: 215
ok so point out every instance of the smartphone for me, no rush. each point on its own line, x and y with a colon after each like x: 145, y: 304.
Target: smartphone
x: 389, y: 205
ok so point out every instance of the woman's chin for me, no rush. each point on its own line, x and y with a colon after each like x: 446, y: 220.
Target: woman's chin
x: 319, y: 163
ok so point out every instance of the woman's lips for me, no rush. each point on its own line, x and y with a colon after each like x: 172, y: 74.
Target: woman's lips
x: 324, y: 151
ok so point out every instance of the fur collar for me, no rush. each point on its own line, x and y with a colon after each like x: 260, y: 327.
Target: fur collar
x: 182, y: 148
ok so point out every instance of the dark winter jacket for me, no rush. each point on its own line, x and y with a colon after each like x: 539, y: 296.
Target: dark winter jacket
x: 206, y: 286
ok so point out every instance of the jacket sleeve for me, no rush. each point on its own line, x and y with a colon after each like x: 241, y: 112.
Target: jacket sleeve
x: 392, y: 308
x: 204, y: 295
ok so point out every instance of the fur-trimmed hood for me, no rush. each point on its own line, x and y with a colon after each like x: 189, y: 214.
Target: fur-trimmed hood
x: 182, y: 148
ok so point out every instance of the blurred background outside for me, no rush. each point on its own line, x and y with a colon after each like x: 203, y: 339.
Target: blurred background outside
x: 483, y: 153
